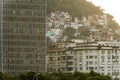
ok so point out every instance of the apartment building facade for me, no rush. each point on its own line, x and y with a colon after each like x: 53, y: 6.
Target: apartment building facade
x: 22, y: 36
x: 103, y: 59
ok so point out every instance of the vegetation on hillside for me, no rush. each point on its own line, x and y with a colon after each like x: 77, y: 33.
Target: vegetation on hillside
x: 112, y: 23
x: 74, y: 7
x: 69, y: 32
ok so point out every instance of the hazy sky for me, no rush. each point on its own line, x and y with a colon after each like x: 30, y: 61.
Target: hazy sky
x: 110, y: 6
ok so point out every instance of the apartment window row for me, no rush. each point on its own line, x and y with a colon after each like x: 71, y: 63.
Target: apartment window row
x: 103, y: 57
x: 115, y: 57
x: 109, y: 51
x: 51, y: 70
x: 115, y: 73
x: 9, y: 24
x: 60, y: 53
x: 52, y: 64
x: 69, y: 68
x: 91, y: 57
x: 52, y: 58
x: 25, y: 5
x: 13, y: 30
x: 23, y: 37
x: 91, y: 63
x: 24, y: 12
x: 23, y: 31
x: 62, y: 58
x: 38, y: 61
x: 22, y: 68
x: 18, y: 43
x: 61, y: 69
x: 18, y: 55
x: 65, y: 58
x: 14, y: 49
x: 91, y: 68
x: 10, y: 61
x: 24, y: 19
x: 13, y: 55
x: 69, y: 57
x: 69, y: 63
x: 25, y: 1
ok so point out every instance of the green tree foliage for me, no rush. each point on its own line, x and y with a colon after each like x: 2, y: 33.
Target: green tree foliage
x: 69, y: 32
x: 84, y: 32
x: 0, y: 75
x: 79, y: 76
x: 23, y: 77
x: 56, y: 76
x: 6, y: 76
x: 114, y: 26
x: 47, y: 76
x: 27, y: 76
x: 93, y: 74
x: 75, y: 7
x: 112, y: 23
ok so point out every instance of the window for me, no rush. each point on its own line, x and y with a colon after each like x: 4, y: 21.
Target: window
x: 90, y: 62
x: 109, y: 74
x: 91, y: 57
x: 58, y: 58
x: 50, y: 58
x: 95, y: 62
x: 91, y: 68
x: 70, y: 57
x: 95, y: 68
x: 95, y: 57
x: 86, y: 68
x: 86, y: 57
x: 69, y: 63
x: 69, y: 68
x: 103, y: 57
x: 80, y: 68
x: 102, y: 52
x: 87, y: 63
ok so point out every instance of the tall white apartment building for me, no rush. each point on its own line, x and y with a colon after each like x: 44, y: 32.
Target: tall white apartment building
x: 103, y: 59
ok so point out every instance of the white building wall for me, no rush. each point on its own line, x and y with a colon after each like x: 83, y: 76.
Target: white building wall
x: 104, y: 60
x: 101, y: 61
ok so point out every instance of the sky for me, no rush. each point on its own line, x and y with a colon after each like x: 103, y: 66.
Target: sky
x: 110, y: 6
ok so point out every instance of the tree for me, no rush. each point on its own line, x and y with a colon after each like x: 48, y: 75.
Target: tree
x: 79, y: 76
x: 30, y: 75
x: 112, y: 23
x: 69, y: 32
x: 7, y: 76
x: 47, y: 76
x: 92, y: 73
x: 84, y: 32
x: 22, y: 77
x: 94, y: 78
x: 76, y: 9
